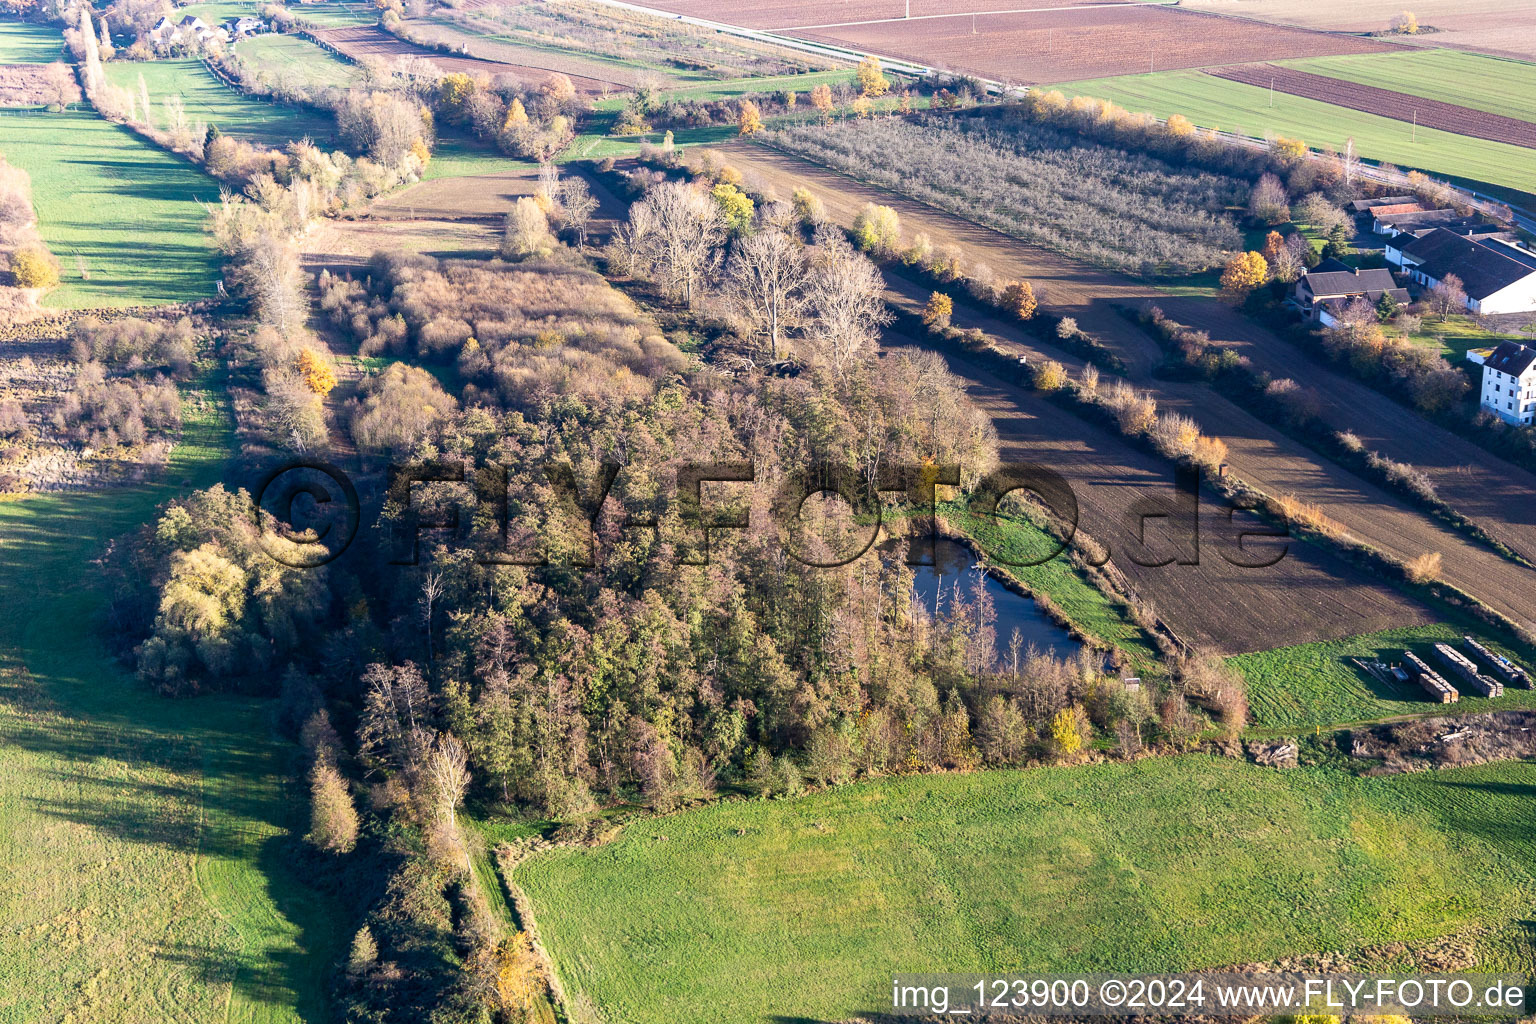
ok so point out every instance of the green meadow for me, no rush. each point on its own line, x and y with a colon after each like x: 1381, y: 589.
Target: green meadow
x: 802, y: 910
x: 147, y: 873
x: 209, y: 101
x: 295, y: 59
x: 1498, y: 85
x: 116, y: 205
x: 30, y: 44
x: 1316, y: 685
x: 1212, y: 102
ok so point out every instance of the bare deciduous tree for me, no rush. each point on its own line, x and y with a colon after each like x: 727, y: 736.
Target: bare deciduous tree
x: 1448, y: 296
x: 675, y: 233
x: 767, y: 275
x: 579, y: 204
x: 845, y: 300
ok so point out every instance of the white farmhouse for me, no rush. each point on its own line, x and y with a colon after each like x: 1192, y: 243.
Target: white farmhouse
x: 1497, y: 275
x: 1509, y: 381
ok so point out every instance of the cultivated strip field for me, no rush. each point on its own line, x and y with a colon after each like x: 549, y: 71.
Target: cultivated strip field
x: 1212, y: 102
x: 1495, y: 84
x: 1063, y: 44
x: 1257, y: 452
x: 365, y: 41
x: 1398, y: 105
x: 771, y: 911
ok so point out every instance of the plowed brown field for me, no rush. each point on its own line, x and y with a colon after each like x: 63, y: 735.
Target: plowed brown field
x: 1498, y: 496
x: 787, y: 14
x: 361, y: 41
x: 1063, y: 45
x: 1399, y: 105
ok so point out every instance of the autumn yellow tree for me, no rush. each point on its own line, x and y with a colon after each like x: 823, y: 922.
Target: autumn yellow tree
x: 750, y: 120
x: 517, y: 116
x: 1018, y: 298
x: 1244, y: 272
x: 1274, y: 246
x: 1050, y: 376
x: 34, y: 267
x: 318, y: 376
x: 938, y: 311
x: 872, y: 81
x: 1067, y: 729
x: 862, y: 107
x: 821, y: 99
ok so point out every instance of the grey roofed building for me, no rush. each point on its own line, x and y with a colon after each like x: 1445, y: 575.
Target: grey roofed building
x: 1512, y: 358
x: 1326, y: 290
x: 1498, y: 276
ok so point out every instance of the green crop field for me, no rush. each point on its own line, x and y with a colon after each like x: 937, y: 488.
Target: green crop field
x: 1316, y: 684
x: 145, y: 874
x: 210, y: 101
x: 1212, y: 102
x: 295, y: 59
x: 126, y: 208
x: 774, y: 911
x: 30, y: 44
x: 1495, y: 84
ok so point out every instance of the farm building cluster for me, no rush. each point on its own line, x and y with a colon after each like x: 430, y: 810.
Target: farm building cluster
x: 1489, y: 269
x: 1476, y: 669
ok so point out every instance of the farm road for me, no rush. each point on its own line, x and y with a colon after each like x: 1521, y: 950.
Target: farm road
x: 1258, y: 453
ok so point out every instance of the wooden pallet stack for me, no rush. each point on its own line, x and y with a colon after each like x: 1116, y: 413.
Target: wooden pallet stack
x: 1431, y: 681
x: 1500, y: 666
x: 1463, y: 669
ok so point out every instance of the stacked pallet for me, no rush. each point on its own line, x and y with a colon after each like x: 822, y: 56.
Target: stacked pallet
x: 1500, y: 666
x: 1467, y: 672
x: 1431, y: 681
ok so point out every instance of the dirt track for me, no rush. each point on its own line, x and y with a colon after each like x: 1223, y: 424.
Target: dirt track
x: 1258, y: 453
x: 1398, y: 105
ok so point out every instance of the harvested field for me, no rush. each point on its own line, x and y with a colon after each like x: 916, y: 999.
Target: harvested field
x: 363, y: 42
x: 25, y: 85
x: 651, y: 41
x: 1051, y: 46
x: 1397, y: 105
x: 787, y: 14
x: 1492, y: 26
x: 1257, y: 452
x: 458, y: 217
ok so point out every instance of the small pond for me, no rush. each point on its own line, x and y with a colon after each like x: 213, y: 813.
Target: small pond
x: 954, y: 562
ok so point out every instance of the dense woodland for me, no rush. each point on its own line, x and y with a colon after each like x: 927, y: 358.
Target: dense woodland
x: 579, y: 641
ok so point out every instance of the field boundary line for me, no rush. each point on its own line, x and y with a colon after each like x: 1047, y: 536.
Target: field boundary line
x: 977, y: 14
x: 762, y: 36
